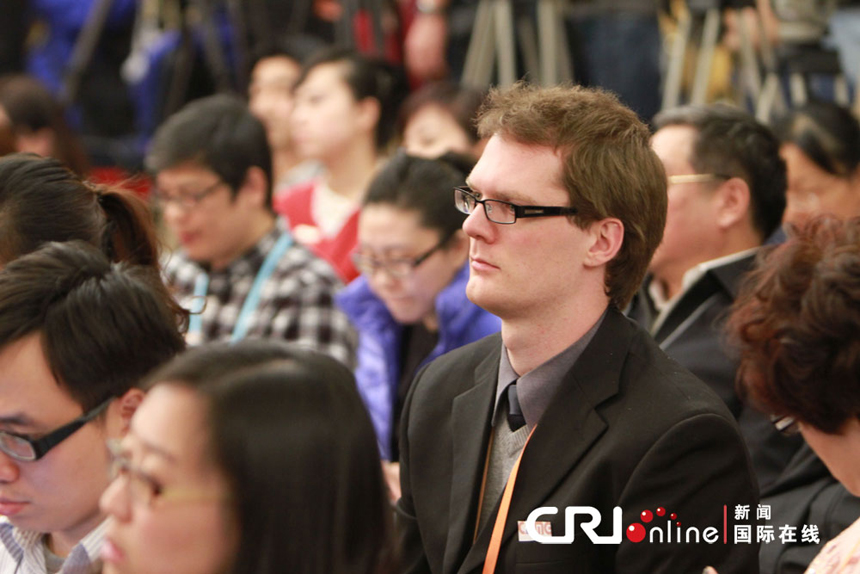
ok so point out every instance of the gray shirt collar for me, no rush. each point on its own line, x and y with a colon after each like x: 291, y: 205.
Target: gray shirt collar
x: 537, y: 388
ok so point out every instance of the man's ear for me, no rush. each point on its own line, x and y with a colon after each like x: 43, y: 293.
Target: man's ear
x: 254, y: 188
x: 127, y: 405
x: 733, y: 203
x: 607, y: 236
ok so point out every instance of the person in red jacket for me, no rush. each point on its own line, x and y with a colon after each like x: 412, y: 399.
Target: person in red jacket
x: 344, y: 116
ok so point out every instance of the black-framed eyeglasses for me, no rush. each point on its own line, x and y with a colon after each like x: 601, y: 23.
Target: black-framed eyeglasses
x: 399, y: 268
x: 185, y: 200
x: 145, y: 489
x: 26, y: 449
x: 785, y: 424
x: 504, y: 212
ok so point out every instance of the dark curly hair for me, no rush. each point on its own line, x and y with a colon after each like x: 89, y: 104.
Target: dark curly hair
x: 797, y: 325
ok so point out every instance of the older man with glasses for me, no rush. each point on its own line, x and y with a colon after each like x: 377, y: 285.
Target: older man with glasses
x: 726, y: 192
x: 237, y: 267
x: 76, y: 336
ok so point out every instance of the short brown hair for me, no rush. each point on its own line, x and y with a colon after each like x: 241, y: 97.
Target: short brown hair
x: 797, y: 325
x: 608, y: 166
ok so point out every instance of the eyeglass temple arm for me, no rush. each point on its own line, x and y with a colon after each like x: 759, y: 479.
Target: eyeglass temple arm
x: 43, y: 445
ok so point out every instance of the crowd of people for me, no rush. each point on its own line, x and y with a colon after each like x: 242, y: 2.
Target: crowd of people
x: 353, y: 329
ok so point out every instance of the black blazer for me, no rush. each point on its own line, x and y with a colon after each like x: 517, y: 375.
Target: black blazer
x: 629, y: 428
x: 693, y: 335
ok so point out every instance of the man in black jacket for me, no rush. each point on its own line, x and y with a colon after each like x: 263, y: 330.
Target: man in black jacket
x: 572, y: 405
x: 726, y: 197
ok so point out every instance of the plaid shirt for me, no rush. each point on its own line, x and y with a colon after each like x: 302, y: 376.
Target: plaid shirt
x: 23, y: 552
x: 296, y: 303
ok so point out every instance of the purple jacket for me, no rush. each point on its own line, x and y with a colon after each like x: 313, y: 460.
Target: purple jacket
x: 378, y: 372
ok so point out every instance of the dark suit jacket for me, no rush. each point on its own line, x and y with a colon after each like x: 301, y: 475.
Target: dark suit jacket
x: 693, y: 335
x: 629, y: 428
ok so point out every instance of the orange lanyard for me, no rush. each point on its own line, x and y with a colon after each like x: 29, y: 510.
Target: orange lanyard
x: 498, y: 528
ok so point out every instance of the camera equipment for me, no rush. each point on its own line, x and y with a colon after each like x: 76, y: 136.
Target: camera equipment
x: 544, y: 50
x: 703, y: 17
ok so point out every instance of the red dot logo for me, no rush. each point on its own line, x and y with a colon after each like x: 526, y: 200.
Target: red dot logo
x: 646, y: 516
x: 661, y: 511
x: 635, y: 532
x: 673, y: 516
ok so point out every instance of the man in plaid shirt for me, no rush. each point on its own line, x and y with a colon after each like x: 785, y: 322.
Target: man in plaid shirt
x: 238, y: 269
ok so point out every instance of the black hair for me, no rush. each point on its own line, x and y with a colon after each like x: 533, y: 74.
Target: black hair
x: 298, y: 48
x: 425, y: 186
x: 730, y: 142
x: 291, y: 433
x: 212, y: 360
x: 103, y: 326
x: 462, y: 102
x: 220, y: 134
x: 827, y: 133
x: 41, y: 200
x: 367, y: 78
x: 31, y: 107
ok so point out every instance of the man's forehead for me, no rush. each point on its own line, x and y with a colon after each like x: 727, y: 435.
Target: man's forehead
x: 516, y: 170
x: 29, y: 392
x: 183, y: 174
x: 674, y: 144
x: 680, y: 136
x: 279, y: 61
x: 274, y: 69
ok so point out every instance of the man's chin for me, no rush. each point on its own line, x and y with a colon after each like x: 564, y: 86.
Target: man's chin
x: 480, y: 296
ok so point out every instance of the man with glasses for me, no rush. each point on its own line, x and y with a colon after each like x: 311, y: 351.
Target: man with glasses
x: 572, y: 405
x: 76, y: 337
x: 726, y: 197
x: 727, y: 187
x: 237, y: 267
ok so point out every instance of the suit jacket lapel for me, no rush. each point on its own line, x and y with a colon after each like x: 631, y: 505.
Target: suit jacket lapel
x: 725, y: 279
x: 568, y: 428
x: 730, y: 275
x: 470, y: 426
x: 690, y: 301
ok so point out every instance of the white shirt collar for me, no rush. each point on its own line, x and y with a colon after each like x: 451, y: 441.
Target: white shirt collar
x: 664, y: 306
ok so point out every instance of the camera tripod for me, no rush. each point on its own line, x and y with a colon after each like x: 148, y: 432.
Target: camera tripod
x: 544, y: 50
x: 705, y: 16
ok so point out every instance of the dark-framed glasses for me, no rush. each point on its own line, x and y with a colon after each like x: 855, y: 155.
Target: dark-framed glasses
x: 504, y: 212
x: 26, y: 449
x: 184, y: 200
x: 399, y: 268
x: 785, y: 424
x: 146, y: 490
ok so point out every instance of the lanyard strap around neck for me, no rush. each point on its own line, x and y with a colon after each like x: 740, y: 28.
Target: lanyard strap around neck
x: 499, y: 527
x: 252, y: 301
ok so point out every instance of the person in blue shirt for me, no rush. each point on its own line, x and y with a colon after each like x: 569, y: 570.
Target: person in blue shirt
x: 409, y: 305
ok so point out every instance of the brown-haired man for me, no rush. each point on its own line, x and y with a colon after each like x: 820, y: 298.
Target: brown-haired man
x: 567, y: 205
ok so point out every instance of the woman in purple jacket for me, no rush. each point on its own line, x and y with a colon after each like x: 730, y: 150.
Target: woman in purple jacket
x: 409, y: 305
